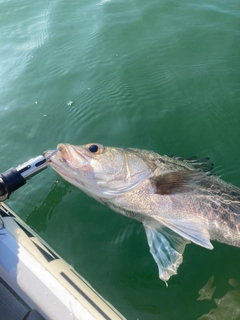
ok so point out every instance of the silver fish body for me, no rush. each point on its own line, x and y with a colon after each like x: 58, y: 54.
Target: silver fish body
x: 177, y: 200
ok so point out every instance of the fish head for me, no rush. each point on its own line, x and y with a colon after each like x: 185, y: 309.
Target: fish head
x: 101, y: 172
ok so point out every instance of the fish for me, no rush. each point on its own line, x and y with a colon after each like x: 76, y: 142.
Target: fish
x: 177, y: 200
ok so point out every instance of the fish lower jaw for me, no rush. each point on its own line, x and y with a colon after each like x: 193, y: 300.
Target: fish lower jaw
x: 73, y: 181
x: 69, y: 177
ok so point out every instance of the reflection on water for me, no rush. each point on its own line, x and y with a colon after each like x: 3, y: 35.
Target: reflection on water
x: 227, y: 307
x: 43, y: 211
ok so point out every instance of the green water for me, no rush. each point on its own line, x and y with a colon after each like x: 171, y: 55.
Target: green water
x: 159, y: 75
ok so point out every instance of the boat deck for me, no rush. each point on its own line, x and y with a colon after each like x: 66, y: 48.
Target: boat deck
x: 37, y: 284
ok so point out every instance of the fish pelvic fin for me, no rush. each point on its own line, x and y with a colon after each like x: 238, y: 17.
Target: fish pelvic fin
x: 166, y: 248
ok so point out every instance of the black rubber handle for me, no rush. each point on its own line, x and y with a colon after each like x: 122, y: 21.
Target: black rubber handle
x: 11, y: 181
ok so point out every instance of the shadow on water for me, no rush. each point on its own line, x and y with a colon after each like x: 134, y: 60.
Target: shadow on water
x: 43, y: 211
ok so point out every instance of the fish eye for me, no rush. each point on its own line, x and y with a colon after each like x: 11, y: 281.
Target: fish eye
x: 95, y: 148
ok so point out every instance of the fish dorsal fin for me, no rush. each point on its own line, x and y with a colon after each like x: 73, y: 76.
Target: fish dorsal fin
x: 166, y: 248
x: 192, y: 230
x: 202, y: 164
x: 177, y: 181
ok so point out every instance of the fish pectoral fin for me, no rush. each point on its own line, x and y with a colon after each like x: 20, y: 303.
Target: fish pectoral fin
x: 166, y: 248
x: 192, y: 230
x: 177, y: 182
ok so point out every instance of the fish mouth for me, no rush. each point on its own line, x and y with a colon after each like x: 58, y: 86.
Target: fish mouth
x: 57, y: 161
x: 72, y: 154
x: 70, y: 162
x: 66, y: 153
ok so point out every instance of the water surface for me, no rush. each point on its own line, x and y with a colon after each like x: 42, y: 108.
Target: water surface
x: 158, y: 75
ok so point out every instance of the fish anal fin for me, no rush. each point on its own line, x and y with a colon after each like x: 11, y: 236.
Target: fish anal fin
x: 176, y: 182
x: 192, y: 230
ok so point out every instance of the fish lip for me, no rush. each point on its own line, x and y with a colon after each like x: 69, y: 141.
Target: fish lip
x: 47, y: 153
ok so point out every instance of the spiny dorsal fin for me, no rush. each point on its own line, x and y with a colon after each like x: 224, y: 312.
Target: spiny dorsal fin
x: 177, y: 182
x: 202, y: 164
